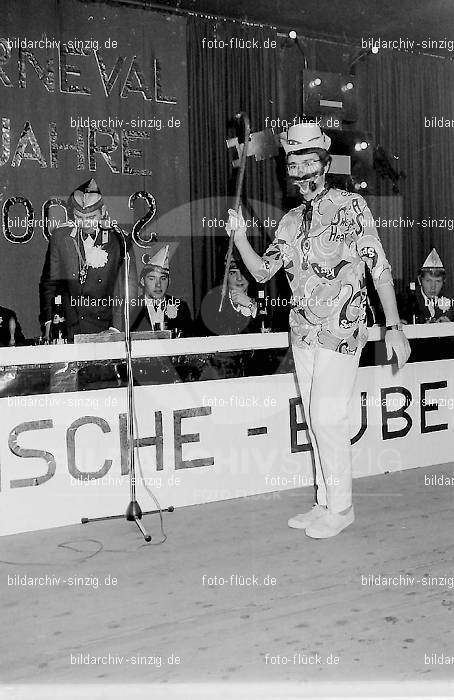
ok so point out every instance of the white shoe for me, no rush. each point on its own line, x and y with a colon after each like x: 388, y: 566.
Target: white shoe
x: 330, y: 524
x: 303, y: 520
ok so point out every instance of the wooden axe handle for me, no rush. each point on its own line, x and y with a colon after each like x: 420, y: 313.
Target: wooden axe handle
x: 239, y: 186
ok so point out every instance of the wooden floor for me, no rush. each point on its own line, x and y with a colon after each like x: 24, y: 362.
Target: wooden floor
x: 165, y: 604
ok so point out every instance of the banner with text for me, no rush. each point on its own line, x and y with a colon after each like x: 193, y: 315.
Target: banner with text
x: 63, y: 456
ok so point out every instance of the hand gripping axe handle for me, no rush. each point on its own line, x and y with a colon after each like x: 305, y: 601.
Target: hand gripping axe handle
x: 239, y: 186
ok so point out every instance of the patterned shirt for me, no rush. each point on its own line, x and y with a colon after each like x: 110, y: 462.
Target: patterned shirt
x: 323, y: 246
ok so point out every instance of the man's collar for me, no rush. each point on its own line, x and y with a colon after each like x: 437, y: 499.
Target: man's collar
x: 155, y: 302
x: 86, y: 234
x: 429, y: 299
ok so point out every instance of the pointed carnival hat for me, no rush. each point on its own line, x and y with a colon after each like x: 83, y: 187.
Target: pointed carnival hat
x: 161, y: 258
x: 160, y: 261
x: 433, y: 262
x: 304, y: 136
x: 86, y: 198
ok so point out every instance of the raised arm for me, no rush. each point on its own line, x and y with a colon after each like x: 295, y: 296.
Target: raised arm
x: 261, y: 268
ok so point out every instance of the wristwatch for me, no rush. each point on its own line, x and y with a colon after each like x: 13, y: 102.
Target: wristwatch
x: 395, y: 327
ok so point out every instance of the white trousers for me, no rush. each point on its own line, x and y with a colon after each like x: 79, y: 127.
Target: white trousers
x: 326, y: 380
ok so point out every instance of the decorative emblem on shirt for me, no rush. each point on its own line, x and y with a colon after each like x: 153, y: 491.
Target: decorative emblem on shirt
x: 443, y: 303
x: 95, y: 255
x: 171, y: 310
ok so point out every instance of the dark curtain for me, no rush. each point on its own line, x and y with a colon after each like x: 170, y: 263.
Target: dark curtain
x: 222, y: 82
x: 403, y: 92
x: 400, y: 95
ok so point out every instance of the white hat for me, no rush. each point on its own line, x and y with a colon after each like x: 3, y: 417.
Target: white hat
x: 302, y: 136
x: 160, y: 259
x: 433, y: 261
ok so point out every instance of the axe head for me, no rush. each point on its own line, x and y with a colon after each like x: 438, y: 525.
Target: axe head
x: 261, y: 144
x: 264, y: 144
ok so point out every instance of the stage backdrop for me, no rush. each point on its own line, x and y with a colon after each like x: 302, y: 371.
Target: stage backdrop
x: 89, y: 90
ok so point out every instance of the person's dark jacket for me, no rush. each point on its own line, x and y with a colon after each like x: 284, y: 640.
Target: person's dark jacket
x: 413, y: 305
x: 102, y: 292
x: 182, y: 321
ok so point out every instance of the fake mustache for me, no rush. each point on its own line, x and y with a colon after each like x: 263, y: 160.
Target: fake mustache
x: 303, y: 178
x: 311, y: 175
x: 306, y: 177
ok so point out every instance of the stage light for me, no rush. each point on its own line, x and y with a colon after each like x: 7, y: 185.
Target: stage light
x: 374, y: 49
x: 292, y: 34
x: 357, y: 146
x: 347, y: 86
x: 360, y: 185
x: 315, y: 82
x: 363, y: 145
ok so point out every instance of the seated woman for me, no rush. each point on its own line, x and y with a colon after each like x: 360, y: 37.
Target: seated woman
x: 10, y: 329
x: 239, y: 310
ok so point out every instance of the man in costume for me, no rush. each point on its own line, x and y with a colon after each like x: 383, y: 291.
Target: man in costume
x: 323, y: 246
x: 426, y: 304
x: 157, y: 310
x: 85, y: 264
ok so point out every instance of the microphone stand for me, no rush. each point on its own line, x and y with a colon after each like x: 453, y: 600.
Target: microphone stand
x: 133, y: 511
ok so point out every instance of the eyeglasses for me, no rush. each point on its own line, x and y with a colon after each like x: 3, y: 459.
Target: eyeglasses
x: 304, y: 163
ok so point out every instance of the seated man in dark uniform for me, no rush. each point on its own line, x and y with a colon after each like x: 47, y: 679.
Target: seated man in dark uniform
x: 10, y: 330
x: 425, y: 304
x: 157, y: 310
x: 85, y: 265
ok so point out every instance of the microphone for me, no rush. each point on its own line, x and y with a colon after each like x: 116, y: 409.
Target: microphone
x: 124, y: 236
x: 144, y: 235
x: 106, y: 222
x: 311, y: 182
x: 113, y: 225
